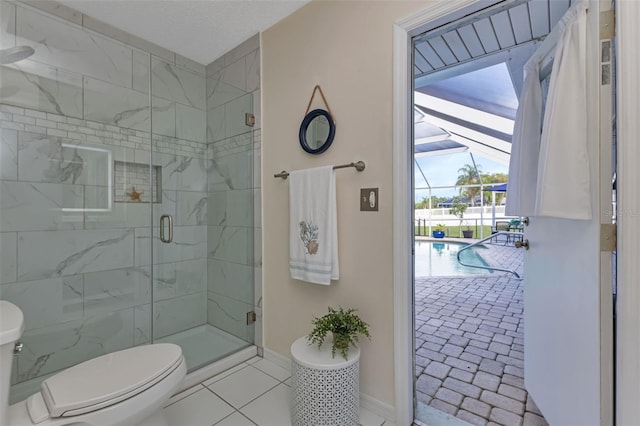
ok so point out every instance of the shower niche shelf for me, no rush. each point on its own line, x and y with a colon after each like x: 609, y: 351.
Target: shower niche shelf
x: 133, y: 180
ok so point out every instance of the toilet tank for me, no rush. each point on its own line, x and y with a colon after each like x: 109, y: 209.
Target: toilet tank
x: 11, y: 328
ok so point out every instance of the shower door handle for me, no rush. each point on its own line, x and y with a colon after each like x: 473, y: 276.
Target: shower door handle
x: 169, y: 218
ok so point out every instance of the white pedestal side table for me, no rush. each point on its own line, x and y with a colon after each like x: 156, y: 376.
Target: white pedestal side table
x: 325, y: 390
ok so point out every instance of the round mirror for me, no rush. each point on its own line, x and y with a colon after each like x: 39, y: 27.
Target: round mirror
x: 317, y: 131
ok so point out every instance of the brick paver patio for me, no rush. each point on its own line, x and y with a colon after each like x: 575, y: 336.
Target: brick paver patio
x: 470, y: 347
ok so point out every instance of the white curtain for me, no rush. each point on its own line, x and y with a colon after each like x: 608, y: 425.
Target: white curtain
x: 549, y: 168
x: 525, y: 145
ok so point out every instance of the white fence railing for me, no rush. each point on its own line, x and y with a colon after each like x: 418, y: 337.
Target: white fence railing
x: 474, y: 217
x: 486, y: 212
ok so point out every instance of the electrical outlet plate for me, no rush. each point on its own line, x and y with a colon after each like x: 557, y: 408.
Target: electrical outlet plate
x: 369, y: 199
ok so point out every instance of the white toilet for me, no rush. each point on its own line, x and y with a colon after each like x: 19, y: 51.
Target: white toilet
x: 127, y: 387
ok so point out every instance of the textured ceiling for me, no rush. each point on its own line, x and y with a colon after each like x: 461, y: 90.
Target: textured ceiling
x: 201, y: 30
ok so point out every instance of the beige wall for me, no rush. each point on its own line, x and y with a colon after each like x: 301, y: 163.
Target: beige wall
x: 346, y: 48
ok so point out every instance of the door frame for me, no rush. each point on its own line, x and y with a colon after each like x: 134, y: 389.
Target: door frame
x: 404, y: 30
x: 628, y: 151
x: 628, y: 93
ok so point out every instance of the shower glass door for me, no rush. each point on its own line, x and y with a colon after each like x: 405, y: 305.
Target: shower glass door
x: 202, y: 219
x: 74, y: 193
x: 99, y: 140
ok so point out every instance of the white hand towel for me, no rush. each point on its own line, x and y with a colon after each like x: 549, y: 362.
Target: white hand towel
x: 313, y: 227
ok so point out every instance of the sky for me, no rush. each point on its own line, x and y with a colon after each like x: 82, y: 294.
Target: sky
x: 486, y: 97
x: 442, y: 170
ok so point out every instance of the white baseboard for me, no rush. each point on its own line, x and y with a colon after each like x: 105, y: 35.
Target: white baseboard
x: 368, y: 402
x: 378, y: 407
x: 276, y: 358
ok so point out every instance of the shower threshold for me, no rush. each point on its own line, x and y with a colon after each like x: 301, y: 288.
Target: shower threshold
x: 204, y: 344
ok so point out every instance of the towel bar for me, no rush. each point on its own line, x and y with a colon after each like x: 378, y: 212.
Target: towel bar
x: 359, y: 166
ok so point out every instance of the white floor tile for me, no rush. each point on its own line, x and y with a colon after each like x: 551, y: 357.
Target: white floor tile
x: 367, y: 418
x: 254, y: 389
x: 236, y: 419
x: 272, y: 369
x: 243, y: 386
x: 185, y: 393
x: 272, y: 408
x: 202, y: 408
x: 225, y: 374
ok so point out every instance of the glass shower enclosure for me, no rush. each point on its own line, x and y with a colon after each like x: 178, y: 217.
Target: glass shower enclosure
x: 124, y: 219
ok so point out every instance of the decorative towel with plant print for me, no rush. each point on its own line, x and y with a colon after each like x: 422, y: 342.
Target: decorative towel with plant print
x: 309, y: 236
x: 313, y: 232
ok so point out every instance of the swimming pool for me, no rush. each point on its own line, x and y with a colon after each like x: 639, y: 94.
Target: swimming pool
x: 435, y: 259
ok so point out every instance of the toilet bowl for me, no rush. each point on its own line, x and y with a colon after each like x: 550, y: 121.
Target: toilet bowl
x: 128, y: 387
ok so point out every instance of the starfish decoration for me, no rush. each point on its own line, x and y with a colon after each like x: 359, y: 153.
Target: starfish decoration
x: 134, y: 195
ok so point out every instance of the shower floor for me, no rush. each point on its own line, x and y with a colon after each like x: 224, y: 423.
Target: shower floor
x: 204, y: 344
x: 200, y: 345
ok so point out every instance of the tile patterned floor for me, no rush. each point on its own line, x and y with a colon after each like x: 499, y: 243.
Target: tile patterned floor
x: 469, y: 361
x: 470, y: 345
x: 256, y: 392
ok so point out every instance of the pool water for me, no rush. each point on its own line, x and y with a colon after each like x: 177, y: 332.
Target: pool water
x: 433, y: 259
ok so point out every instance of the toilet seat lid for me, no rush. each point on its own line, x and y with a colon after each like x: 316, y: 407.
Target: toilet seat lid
x: 11, y: 323
x: 108, y: 379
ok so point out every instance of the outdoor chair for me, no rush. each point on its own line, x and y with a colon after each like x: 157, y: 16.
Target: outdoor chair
x: 500, y: 226
x: 514, y: 227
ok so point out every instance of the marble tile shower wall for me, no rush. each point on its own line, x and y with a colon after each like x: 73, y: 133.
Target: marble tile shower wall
x: 234, y: 240
x: 78, y: 266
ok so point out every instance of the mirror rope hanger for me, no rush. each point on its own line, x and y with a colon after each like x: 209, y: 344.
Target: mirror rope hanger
x: 319, y: 89
x: 358, y: 165
x: 318, y: 127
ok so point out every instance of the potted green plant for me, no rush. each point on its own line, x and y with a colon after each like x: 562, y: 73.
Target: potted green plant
x: 345, y: 325
x: 438, y: 231
x: 457, y: 209
x: 467, y: 233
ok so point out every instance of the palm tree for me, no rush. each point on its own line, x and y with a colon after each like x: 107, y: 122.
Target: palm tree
x: 469, y: 176
x: 496, y: 178
x: 423, y: 204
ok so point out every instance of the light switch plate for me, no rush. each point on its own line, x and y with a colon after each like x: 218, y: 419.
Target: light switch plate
x: 369, y: 199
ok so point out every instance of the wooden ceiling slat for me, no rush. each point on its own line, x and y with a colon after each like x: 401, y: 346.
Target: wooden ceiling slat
x: 443, y: 50
x: 539, y: 13
x: 557, y: 8
x: 487, y: 36
x: 456, y: 45
x: 482, y: 36
x: 521, y: 23
x: 430, y: 55
x: 502, y: 28
x: 471, y: 40
x: 420, y: 62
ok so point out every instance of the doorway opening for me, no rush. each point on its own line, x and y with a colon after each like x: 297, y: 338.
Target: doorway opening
x: 469, y: 328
